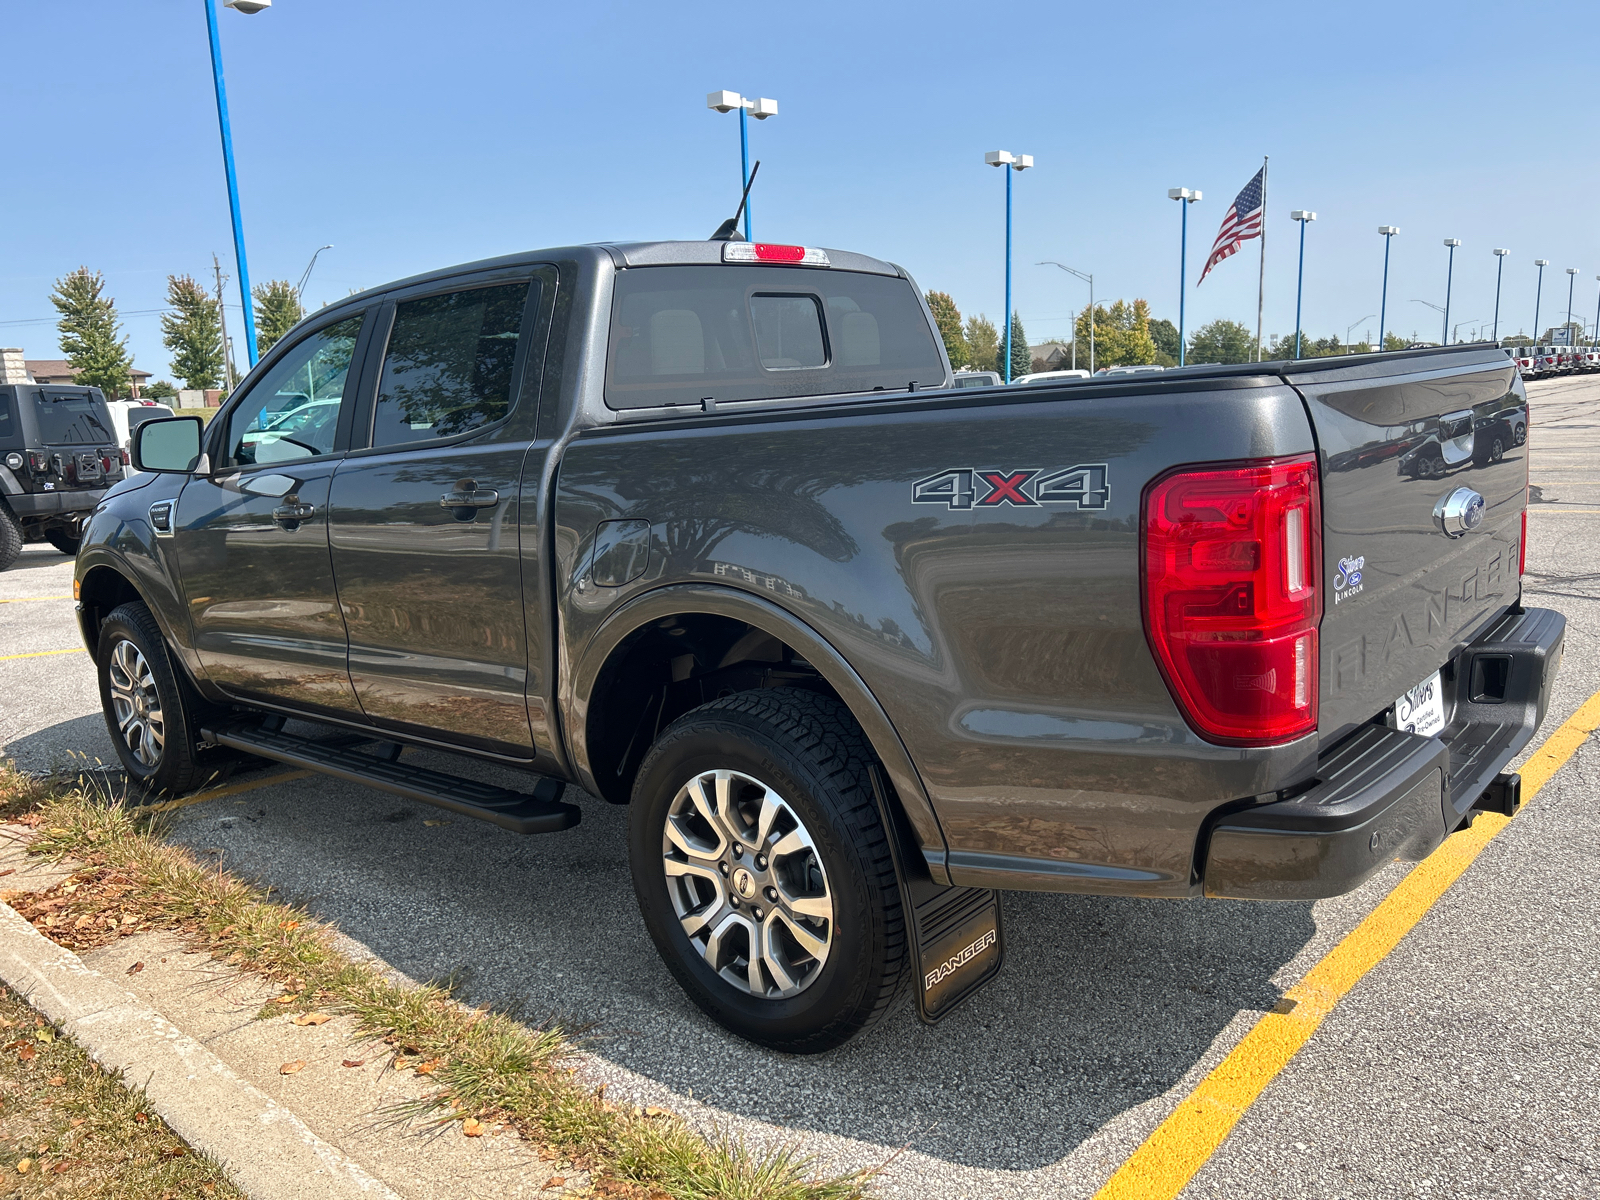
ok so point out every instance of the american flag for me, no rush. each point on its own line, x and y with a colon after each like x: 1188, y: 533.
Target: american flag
x: 1242, y: 223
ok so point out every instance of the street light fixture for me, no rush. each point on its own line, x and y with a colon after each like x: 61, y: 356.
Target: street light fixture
x: 1089, y: 279
x: 1449, y: 279
x: 1499, y: 270
x: 1596, y: 340
x: 1305, y: 218
x: 1388, y: 232
x: 723, y: 102
x: 1538, y: 296
x: 247, y: 7
x: 300, y: 288
x: 1017, y: 162
x: 1187, y: 196
x: 1350, y: 328
x: 1572, y: 278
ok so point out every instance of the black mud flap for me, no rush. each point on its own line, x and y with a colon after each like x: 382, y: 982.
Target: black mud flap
x: 957, y: 934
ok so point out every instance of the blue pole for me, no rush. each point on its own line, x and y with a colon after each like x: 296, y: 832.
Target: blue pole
x: 1538, y: 297
x: 1383, y: 305
x: 1183, y: 273
x: 1500, y: 269
x: 233, y: 182
x: 1449, y: 278
x: 744, y: 163
x: 1007, y: 169
x: 1299, y: 289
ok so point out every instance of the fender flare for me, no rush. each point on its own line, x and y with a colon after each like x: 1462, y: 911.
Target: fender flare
x: 679, y: 599
x: 144, y: 584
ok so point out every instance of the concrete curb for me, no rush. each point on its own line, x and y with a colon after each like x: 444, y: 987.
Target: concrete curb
x: 265, y: 1149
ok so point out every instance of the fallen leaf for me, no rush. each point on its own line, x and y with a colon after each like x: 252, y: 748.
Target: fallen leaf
x: 555, y: 1181
x: 24, y: 1166
x: 58, y: 1081
x: 288, y: 924
x: 76, y: 1121
x: 26, y: 1053
x: 62, y: 1167
x: 436, y: 823
x: 130, y: 919
x: 472, y: 1127
x: 136, y: 968
x: 312, y: 1019
x: 176, y: 1152
x: 142, y: 1118
x: 654, y: 1111
x: 289, y: 1068
x: 209, y: 1189
x: 355, y: 1062
x: 46, y: 1035
x: 429, y: 1067
x: 8, y: 871
x: 290, y: 998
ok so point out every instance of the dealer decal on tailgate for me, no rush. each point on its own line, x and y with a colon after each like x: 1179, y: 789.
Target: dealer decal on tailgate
x: 1085, y: 486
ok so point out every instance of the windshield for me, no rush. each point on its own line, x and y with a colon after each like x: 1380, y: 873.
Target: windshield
x: 682, y: 335
x: 75, y: 419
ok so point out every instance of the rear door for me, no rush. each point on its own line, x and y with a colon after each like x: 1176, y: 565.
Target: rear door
x: 425, y: 517
x: 1404, y: 589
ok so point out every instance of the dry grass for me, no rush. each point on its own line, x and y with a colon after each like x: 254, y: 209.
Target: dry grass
x: 493, y: 1067
x: 72, y: 1129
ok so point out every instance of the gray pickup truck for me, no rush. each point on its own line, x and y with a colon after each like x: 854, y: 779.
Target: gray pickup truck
x: 704, y: 528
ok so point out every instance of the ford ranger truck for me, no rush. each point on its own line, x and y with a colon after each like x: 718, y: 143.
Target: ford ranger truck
x: 704, y: 529
x: 58, y: 454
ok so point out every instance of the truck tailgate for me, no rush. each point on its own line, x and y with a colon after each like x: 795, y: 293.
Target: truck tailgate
x: 1404, y: 588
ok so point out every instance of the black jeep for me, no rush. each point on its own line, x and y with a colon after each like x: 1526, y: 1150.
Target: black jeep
x: 58, y: 455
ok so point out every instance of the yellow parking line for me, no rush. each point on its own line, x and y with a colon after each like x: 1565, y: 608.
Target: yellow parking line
x: 42, y: 653
x: 1169, y: 1158
x: 31, y: 599
x: 232, y: 789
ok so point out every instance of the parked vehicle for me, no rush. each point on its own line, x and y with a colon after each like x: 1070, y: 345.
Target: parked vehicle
x: 1522, y: 356
x: 1145, y: 369
x: 707, y: 530
x: 1039, y: 376
x: 58, y: 454
x: 128, y: 415
x: 972, y: 379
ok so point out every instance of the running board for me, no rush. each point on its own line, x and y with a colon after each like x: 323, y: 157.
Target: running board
x: 520, y: 812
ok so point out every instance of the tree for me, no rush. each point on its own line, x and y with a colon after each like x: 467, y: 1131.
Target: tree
x: 983, y: 343
x: 1393, y: 341
x: 160, y: 390
x: 277, y: 311
x: 1121, y: 334
x: 193, y: 333
x: 948, y: 318
x: 1165, y: 335
x: 89, y: 333
x: 1021, y: 356
x: 1221, y: 341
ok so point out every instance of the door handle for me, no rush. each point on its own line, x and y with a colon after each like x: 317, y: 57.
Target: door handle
x: 473, y: 498
x: 290, y: 514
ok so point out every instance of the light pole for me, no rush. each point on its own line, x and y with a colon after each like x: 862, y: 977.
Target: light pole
x: 300, y: 288
x: 1438, y: 308
x: 1538, y: 296
x: 1572, y: 278
x: 247, y: 7
x: 1186, y: 197
x: 1499, y: 270
x: 1089, y: 279
x: 1305, y: 218
x: 1388, y: 232
x: 1017, y: 162
x: 1449, y: 278
x: 1596, y: 340
x: 1350, y: 327
x: 759, y: 109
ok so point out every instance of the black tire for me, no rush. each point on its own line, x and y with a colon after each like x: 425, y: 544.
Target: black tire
x: 1521, y: 435
x: 172, y: 766
x: 808, y: 750
x: 10, y: 537
x: 63, y: 542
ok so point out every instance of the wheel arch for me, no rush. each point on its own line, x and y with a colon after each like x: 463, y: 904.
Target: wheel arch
x: 629, y: 649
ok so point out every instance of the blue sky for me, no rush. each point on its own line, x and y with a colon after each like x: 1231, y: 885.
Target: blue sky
x: 413, y: 134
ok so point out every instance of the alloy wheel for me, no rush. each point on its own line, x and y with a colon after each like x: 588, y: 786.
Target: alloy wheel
x: 747, y: 884
x: 136, y: 705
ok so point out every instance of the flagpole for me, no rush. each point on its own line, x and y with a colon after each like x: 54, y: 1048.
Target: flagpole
x: 1261, y: 280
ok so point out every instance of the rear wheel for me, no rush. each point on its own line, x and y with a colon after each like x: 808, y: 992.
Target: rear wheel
x: 763, y: 872
x: 64, y: 542
x: 151, y: 712
x: 10, y: 537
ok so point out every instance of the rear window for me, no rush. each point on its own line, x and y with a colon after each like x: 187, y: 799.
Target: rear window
x: 72, y: 419
x: 145, y: 412
x: 681, y: 335
x: 10, y: 435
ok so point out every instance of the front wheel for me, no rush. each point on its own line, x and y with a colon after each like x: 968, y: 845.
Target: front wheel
x: 10, y: 537
x: 151, y: 712
x: 763, y: 871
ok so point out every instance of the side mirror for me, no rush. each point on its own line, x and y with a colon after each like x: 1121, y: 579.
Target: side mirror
x: 169, y: 444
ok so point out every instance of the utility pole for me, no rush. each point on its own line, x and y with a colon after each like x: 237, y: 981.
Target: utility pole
x: 222, y: 316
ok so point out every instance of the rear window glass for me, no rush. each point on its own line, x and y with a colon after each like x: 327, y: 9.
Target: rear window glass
x: 138, y: 416
x: 681, y: 335
x: 66, y: 420
x: 10, y: 435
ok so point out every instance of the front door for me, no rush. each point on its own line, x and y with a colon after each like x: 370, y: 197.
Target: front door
x: 252, y: 537
x: 424, y: 523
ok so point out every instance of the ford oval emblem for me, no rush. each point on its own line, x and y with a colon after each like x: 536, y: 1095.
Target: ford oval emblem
x: 1459, y: 512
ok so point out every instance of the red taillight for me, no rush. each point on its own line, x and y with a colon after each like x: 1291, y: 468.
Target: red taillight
x: 1233, y: 596
x: 127, y: 459
x: 1522, y: 546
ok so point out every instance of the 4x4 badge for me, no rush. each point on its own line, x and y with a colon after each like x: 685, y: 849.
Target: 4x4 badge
x: 1085, y: 486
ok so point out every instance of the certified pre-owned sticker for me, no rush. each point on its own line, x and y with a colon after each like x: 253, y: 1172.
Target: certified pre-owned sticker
x: 1084, y: 486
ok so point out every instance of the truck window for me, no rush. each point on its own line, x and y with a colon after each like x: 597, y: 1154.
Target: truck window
x: 9, y: 434
x: 293, y: 411
x: 72, y: 418
x: 448, y: 366
x: 680, y: 335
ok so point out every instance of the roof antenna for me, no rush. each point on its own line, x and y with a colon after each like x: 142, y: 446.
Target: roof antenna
x: 728, y: 231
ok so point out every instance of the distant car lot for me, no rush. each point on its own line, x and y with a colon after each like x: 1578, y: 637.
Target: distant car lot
x: 1461, y: 1061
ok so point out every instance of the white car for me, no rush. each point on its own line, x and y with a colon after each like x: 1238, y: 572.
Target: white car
x: 1144, y: 369
x: 306, y: 429
x: 1039, y: 376
x: 128, y: 415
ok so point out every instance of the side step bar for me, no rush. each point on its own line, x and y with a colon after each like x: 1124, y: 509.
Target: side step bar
x: 520, y: 812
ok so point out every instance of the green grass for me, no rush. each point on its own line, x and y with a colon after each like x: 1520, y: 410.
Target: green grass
x: 205, y: 414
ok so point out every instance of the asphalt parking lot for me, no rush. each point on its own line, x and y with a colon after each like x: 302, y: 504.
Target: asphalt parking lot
x: 1467, y: 1063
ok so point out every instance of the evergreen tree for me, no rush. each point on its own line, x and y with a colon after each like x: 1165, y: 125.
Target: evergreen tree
x: 1165, y: 335
x: 948, y: 318
x: 1221, y: 341
x: 277, y: 311
x: 89, y: 333
x: 193, y: 333
x: 983, y: 343
x: 1021, y: 356
x: 160, y: 390
x: 1121, y: 334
